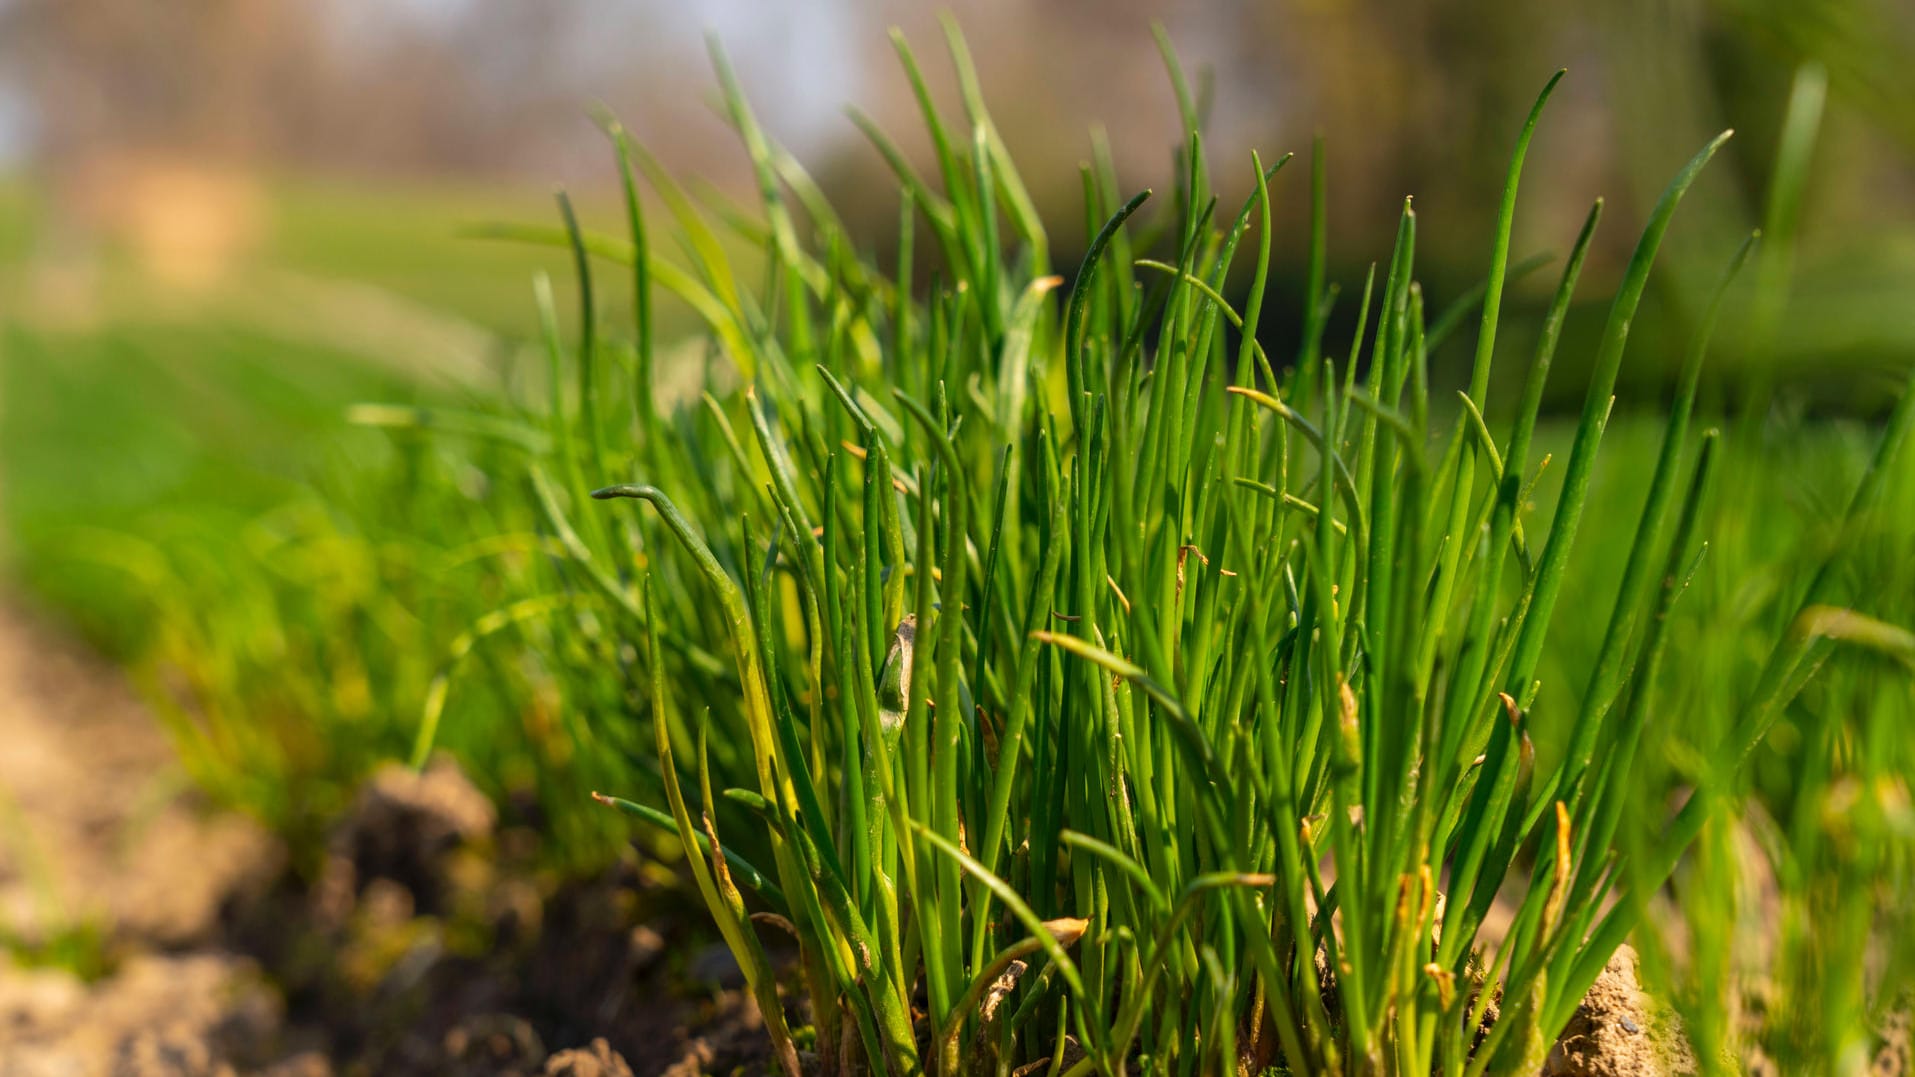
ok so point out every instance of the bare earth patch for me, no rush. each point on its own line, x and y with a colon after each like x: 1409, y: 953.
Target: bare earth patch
x: 207, y: 956
x: 1617, y: 1032
x: 102, y: 846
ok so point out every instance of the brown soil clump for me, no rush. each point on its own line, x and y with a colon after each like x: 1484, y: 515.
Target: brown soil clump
x: 111, y: 869
x: 598, y: 1060
x: 96, y: 823
x: 145, y: 936
x: 1616, y: 1032
x: 156, y: 1016
x: 402, y: 827
x: 1892, y: 1058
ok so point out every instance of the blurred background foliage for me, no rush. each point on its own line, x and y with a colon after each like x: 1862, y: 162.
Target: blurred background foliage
x: 222, y: 222
x: 331, y: 150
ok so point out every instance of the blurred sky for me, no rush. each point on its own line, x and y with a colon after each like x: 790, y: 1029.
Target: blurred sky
x: 500, y: 89
x: 802, y: 62
x: 1410, y: 95
x: 223, y: 97
x: 799, y: 57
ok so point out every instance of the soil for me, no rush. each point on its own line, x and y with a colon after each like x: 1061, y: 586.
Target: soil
x: 1617, y: 1032
x: 94, y: 851
x: 148, y: 936
x: 144, y: 935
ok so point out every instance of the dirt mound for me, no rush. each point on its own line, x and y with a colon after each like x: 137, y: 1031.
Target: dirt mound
x: 97, y: 825
x: 598, y: 1060
x: 434, y: 941
x: 1616, y: 1032
x: 515, y: 966
x: 403, y: 827
x: 156, y: 1016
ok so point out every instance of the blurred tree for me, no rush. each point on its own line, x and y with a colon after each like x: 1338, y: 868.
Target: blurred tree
x: 1419, y: 99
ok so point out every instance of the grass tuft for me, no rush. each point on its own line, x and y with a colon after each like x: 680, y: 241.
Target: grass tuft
x: 1177, y: 698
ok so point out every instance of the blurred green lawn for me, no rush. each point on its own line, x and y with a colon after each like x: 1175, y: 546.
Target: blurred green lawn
x: 410, y: 242
x: 224, y: 399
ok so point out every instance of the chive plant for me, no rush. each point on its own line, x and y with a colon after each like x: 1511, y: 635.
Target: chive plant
x: 1075, y: 680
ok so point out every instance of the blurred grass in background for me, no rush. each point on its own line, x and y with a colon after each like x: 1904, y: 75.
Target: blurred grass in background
x: 181, y: 485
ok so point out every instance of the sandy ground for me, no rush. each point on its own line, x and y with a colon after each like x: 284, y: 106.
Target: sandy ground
x: 101, y: 845
x: 104, y: 848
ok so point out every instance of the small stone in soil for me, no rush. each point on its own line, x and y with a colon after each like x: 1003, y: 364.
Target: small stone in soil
x: 493, y: 1043
x: 598, y: 1060
x: 647, y: 947
x: 1604, y: 1037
